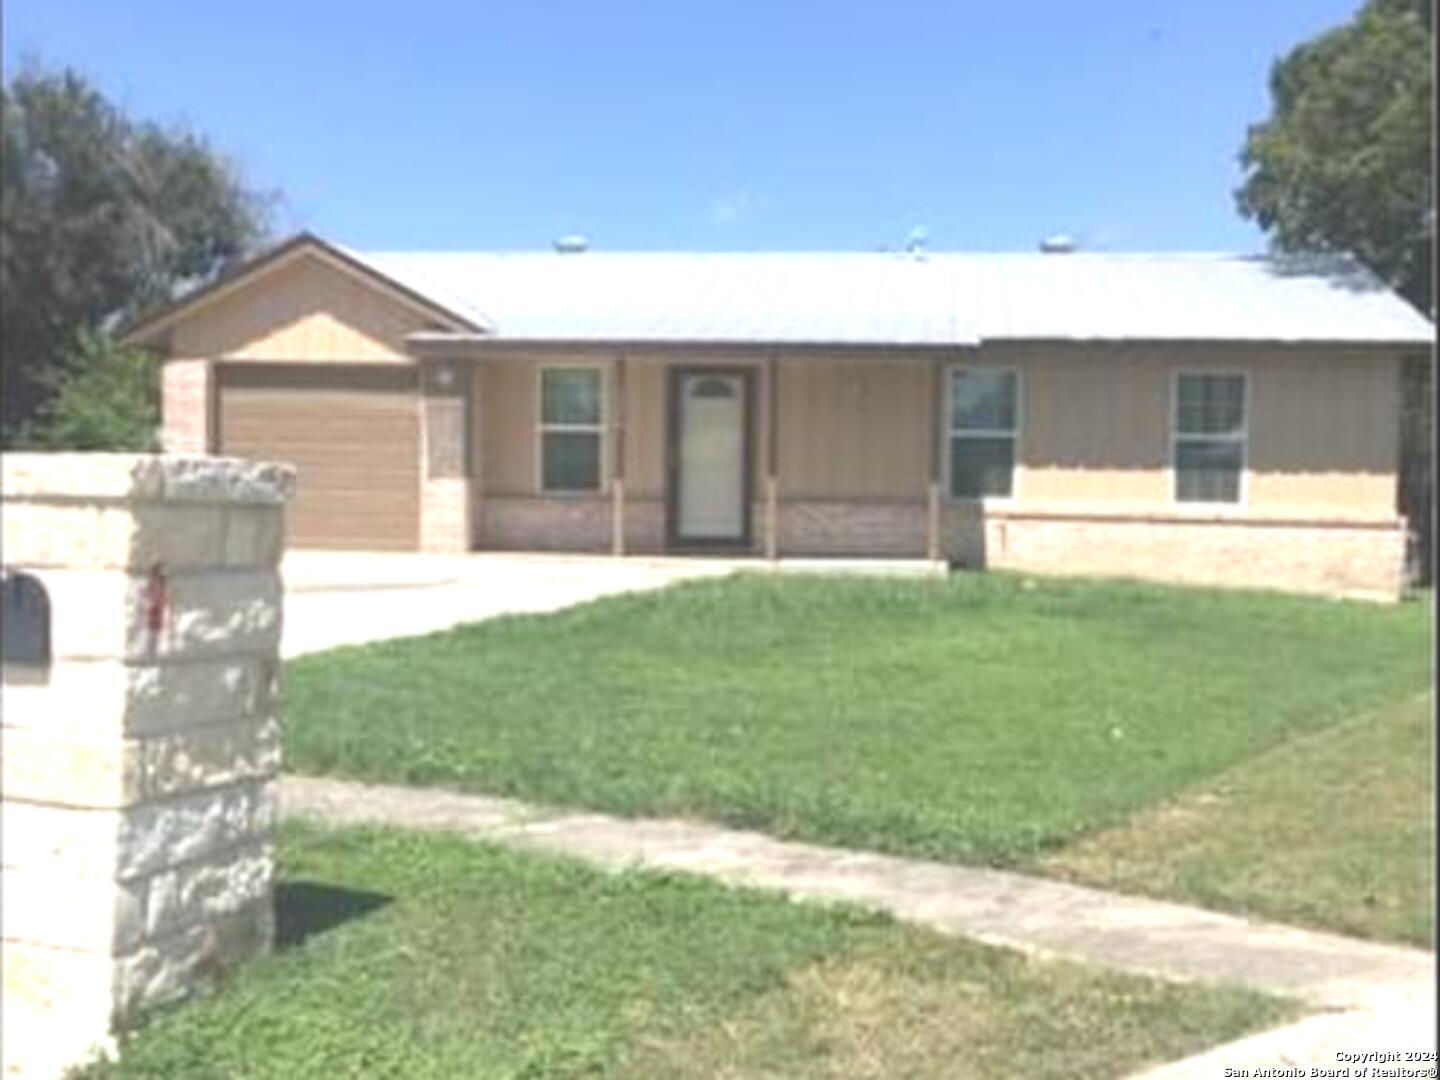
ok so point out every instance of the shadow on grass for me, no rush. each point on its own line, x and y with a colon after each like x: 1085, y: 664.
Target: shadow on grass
x: 306, y: 908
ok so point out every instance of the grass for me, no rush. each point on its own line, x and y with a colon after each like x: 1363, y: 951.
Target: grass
x: 1335, y: 829
x: 983, y: 718
x: 467, y: 961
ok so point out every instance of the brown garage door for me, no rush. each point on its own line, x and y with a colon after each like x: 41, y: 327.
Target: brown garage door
x: 353, y: 435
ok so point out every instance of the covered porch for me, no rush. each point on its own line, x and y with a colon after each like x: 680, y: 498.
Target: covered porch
x: 645, y: 449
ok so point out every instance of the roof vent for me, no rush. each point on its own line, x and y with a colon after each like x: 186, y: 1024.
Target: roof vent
x: 572, y: 244
x: 1059, y: 244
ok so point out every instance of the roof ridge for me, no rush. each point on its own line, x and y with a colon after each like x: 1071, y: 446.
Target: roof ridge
x: 898, y: 256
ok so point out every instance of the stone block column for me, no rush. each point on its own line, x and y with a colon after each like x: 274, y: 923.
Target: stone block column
x: 445, y: 486
x: 140, y: 751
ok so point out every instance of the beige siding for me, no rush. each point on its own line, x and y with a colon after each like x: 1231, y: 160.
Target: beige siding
x: 508, y: 439
x: 855, y: 428
x: 1323, y: 424
x: 305, y: 310
x: 1325, y: 433
x: 1093, y: 425
x: 645, y: 434
x: 1094, y: 434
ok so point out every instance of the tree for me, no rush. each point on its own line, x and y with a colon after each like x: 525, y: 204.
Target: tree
x: 102, y: 216
x: 1343, y: 164
x: 108, y: 398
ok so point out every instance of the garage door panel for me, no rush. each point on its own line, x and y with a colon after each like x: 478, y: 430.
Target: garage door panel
x: 353, y: 435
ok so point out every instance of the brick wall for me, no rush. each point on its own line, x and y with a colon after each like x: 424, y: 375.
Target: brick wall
x: 894, y: 530
x: 581, y: 523
x: 445, y: 515
x: 185, y: 406
x: 1339, y: 558
x: 1363, y: 559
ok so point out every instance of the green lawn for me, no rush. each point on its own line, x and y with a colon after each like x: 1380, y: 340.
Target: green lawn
x: 980, y: 718
x: 467, y: 961
x: 1334, y: 829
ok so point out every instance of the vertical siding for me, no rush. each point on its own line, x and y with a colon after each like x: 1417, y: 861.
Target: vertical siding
x: 1093, y: 426
x: 306, y: 310
x: 645, y: 432
x: 507, y: 428
x: 854, y: 428
x: 1096, y: 426
x: 1094, y: 430
x: 1325, y: 432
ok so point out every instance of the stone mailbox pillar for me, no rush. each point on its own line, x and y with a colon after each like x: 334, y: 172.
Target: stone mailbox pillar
x: 140, y: 743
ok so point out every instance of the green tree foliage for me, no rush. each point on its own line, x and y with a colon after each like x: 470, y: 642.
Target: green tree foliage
x: 103, y: 215
x: 1343, y: 162
x: 106, y: 398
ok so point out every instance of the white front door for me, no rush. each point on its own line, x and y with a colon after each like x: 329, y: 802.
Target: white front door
x: 711, y: 480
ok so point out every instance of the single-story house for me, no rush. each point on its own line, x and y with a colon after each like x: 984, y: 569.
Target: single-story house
x: 1200, y: 418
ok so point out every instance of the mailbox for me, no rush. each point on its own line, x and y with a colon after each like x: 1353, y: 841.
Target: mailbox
x: 25, y: 621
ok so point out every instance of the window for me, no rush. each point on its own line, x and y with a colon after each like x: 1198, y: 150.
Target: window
x: 572, y: 424
x: 982, y: 413
x: 1209, y: 437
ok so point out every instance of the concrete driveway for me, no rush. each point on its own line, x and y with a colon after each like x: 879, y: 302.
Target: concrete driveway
x: 344, y: 597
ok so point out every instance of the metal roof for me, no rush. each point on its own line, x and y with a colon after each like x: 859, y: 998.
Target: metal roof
x: 887, y: 298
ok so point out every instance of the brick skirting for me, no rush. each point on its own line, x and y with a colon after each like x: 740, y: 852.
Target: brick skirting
x: 1364, y: 559
x: 1339, y: 558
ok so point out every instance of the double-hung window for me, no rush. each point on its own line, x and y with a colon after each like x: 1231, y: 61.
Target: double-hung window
x: 1209, y: 436
x: 572, y: 428
x: 982, y: 421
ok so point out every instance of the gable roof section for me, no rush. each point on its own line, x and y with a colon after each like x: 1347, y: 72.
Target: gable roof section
x: 937, y: 299
x: 861, y: 298
x: 454, y: 314
x: 1187, y: 297
x: 840, y: 298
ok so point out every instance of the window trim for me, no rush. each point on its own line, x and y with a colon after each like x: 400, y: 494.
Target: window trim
x: 600, y: 429
x: 1014, y: 433
x: 1242, y: 495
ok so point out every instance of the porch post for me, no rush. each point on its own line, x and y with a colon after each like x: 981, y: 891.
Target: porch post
x: 772, y: 457
x: 937, y: 435
x: 617, y: 480
x: 445, y: 463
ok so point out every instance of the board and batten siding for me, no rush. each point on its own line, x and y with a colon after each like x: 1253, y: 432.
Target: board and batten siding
x: 855, y: 429
x: 1094, y: 432
x: 303, y: 311
x: 1323, y: 424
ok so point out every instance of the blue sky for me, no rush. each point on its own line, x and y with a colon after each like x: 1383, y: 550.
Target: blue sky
x: 692, y: 124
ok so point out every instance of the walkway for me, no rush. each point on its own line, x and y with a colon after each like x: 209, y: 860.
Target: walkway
x: 1387, y: 993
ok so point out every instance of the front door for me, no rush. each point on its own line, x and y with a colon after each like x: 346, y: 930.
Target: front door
x: 709, y: 501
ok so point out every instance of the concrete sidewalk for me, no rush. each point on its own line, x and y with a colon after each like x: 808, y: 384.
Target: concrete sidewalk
x: 1383, y: 991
